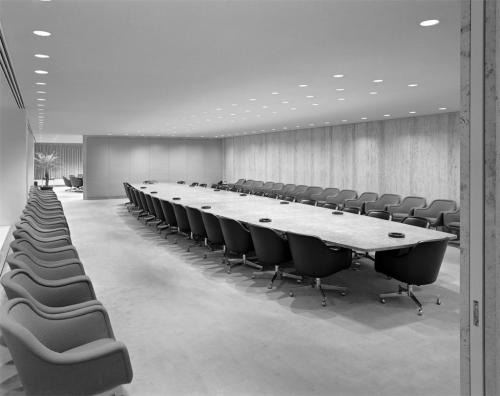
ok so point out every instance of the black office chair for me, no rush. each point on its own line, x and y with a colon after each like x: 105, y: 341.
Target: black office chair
x: 271, y: 248
x: 416, y: 266
x: 314, y: 259
x: 183, y: 226
x: 361, y: 201
x: 350, y: 210
x: 320, y: 199
x: 405, y: 208
x: 162, y: 225
x: 238, y: 243
x: 152, y: 210
x: 416, y: 221
x: 198, y: 232
x: 215, y: 238
x: 147, y: 214
x: 306, y: 196
x: 379, y: 214
x: 170, y: 219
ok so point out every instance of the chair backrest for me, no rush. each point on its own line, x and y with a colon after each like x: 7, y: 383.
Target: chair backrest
x: 196, y: 222
x: 168, y: 212
x: 137, y: 196
x: 158, y: 210
x: 436, y: 207
x: 44, y: 269
x: 270, y: 247
x: 361, y: 200
x: 407, y: 205
x: 67, y: 182
x: 288, y: 188
x: 213, y: 229
x: 277, y: 187
x: 309, y: 192
x: 416, y: 221
x: 298, y: 190
x: 420, y: 266
x: 236, y: 237
x: 380, y: 214
x: 151, y: 207
x: 382, y: 202
x: 256, y: 185
x: 144, y: 203
x: 182, y: 219
x: 327, y: 192
x: 342, y: 196
x: 312, y: 257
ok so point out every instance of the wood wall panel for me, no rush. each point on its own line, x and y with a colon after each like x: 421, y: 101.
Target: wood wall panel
x: 109, y: 161
x: 408, y: 156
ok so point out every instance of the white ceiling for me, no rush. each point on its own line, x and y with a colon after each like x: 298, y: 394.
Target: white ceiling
x: 175, y: 68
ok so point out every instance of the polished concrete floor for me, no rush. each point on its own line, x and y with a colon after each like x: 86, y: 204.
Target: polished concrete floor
x: 192, y: 329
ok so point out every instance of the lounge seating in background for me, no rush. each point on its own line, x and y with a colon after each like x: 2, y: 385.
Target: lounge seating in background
x: 382, y: 203
x: 406, y: 207
x: 361, y: 201
x: 434, y: 212
x: 451, y: 222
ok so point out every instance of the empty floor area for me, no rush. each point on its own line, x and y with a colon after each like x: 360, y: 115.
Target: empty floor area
x: 193, y: 329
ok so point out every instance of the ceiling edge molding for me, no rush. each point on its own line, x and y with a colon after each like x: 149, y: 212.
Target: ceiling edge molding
x: 8, y: 71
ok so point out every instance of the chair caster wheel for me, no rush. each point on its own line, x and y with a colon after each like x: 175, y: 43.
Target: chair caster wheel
x: 299, y: 280
x: 438, y: 301
x: 204, y: 256
x: 382, y: 300
x: 420, y: 312
x: 323, y: 303
x: 290, y: 294
x: 343, y: 293
x: 270, y: 286
x: 187, y: 250
x: 253, y: 276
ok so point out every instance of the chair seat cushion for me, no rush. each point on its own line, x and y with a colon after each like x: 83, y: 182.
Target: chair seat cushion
x: 454, y: 224
x: 90, y: 346
x: 397, y: 215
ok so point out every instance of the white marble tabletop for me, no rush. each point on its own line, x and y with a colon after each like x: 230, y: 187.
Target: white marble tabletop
x: 348, y: 230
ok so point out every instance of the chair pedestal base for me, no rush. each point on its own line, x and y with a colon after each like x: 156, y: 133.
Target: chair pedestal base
x: 244, y: 260
x: 277, y: 273
x: 316, y: 284
x: 408, y: 292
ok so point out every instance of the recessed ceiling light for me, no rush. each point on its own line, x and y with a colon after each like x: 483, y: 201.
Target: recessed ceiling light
x: 41, y: 99
x: 338, y: 75
x: 247, y: 111
x: 233, y: 104
x: 412, y: 112
x: 41, y: 33
x: 364, y: 118
x: 344, y: 120
x: 339, y: 89
x: 274, y: 112
x: 293, y: 108
x: 262, y: 130
x: 302, y: 85
x: 218, y: 109
x: 258, y: 115
x: 273, y: 129
x: 429, y: 22
x: 310, y: 96
x: 285, y: 127
x: 285, y: 102
x: 41, y: 83
x: 387, y: 115
x: 41, y: 56
x: 327, y: 122
x: 311, y: 124
x: 41, y: 72
x: 252, y: 99
x: 297, y: 126
x: 315, y: 104
x: 442, y: 108
x: 46, y: 0
x: 41, y: 92
x: 265, y: 107
x: 377, y: 81
x: 413, y: 85
x: 275, y: 93
x: 341, y: 99
x: 232, y: 114
x: 373, y: 93
x: 40, y: 105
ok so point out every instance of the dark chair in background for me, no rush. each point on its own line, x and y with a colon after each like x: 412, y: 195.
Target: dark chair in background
x: 67, y: 183
x: 382, y: 202
x: 451, y: 222
x: 238, y: 243
x: 183, y: 226
x: 264, y: 189
x: 380, y: 214
x: 320, y: 199
x: 286, y: 190
x: 341, y: 197
x: 234, y: 186
x: 405, y: 208
x: 292, y: 195
x: 361, y: 201
x: 434, y: 212
x: 306, y: 196
x: 203, y: 185
x: 416, y: 221
x: 415, y: 266
x: 314, y: 259
x: 271, y: 249
x: 159, y: 214
x: 76, y: 183
x: 215, y: 237
x: 276, y: 190
x: 169, y: 214
x: 198, y: 232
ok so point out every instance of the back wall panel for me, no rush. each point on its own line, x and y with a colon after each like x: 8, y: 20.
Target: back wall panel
x: 407, y: 156
x: 109, y: 161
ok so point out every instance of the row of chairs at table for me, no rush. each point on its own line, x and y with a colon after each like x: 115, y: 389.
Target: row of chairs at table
x: 58, y: 333
x: 439, y: 213
x: 303, y: 258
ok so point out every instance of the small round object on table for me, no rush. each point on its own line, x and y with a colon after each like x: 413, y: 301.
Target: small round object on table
x: 216, y: 189
x: 206, y: 207
x: 337, y: 212
x: 243, y: 195
x: 265, y: 220
x: 284, y: 202
x: 396, y: 235
x: 143, y: 186
x: 176, y: 198
x: 154, y: 192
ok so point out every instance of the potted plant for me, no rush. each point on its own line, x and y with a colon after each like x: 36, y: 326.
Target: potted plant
x: 46, y: 162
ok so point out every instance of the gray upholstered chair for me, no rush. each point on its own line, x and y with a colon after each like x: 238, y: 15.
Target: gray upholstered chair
x: 297, y: 191
x: 405, y: 208
x: 264, y: 189
x: 361, y: 201
x: 382, y: 202
x: 38, y: 230
x: 434, y: 212
x: 306, y: 196
x: 320, y: 199
x: 287, y: 189
x: 46, y: 224
x: 45, y: 241
x: 276, y: 190
x: 55, y: 269
x: 341, y: 197
x: 451, y: 222
x: 71, y: 353
x: 50, y: 296
x: 48, y: 254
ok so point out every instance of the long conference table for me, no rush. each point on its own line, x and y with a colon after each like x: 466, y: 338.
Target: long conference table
x: 360, y: 233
